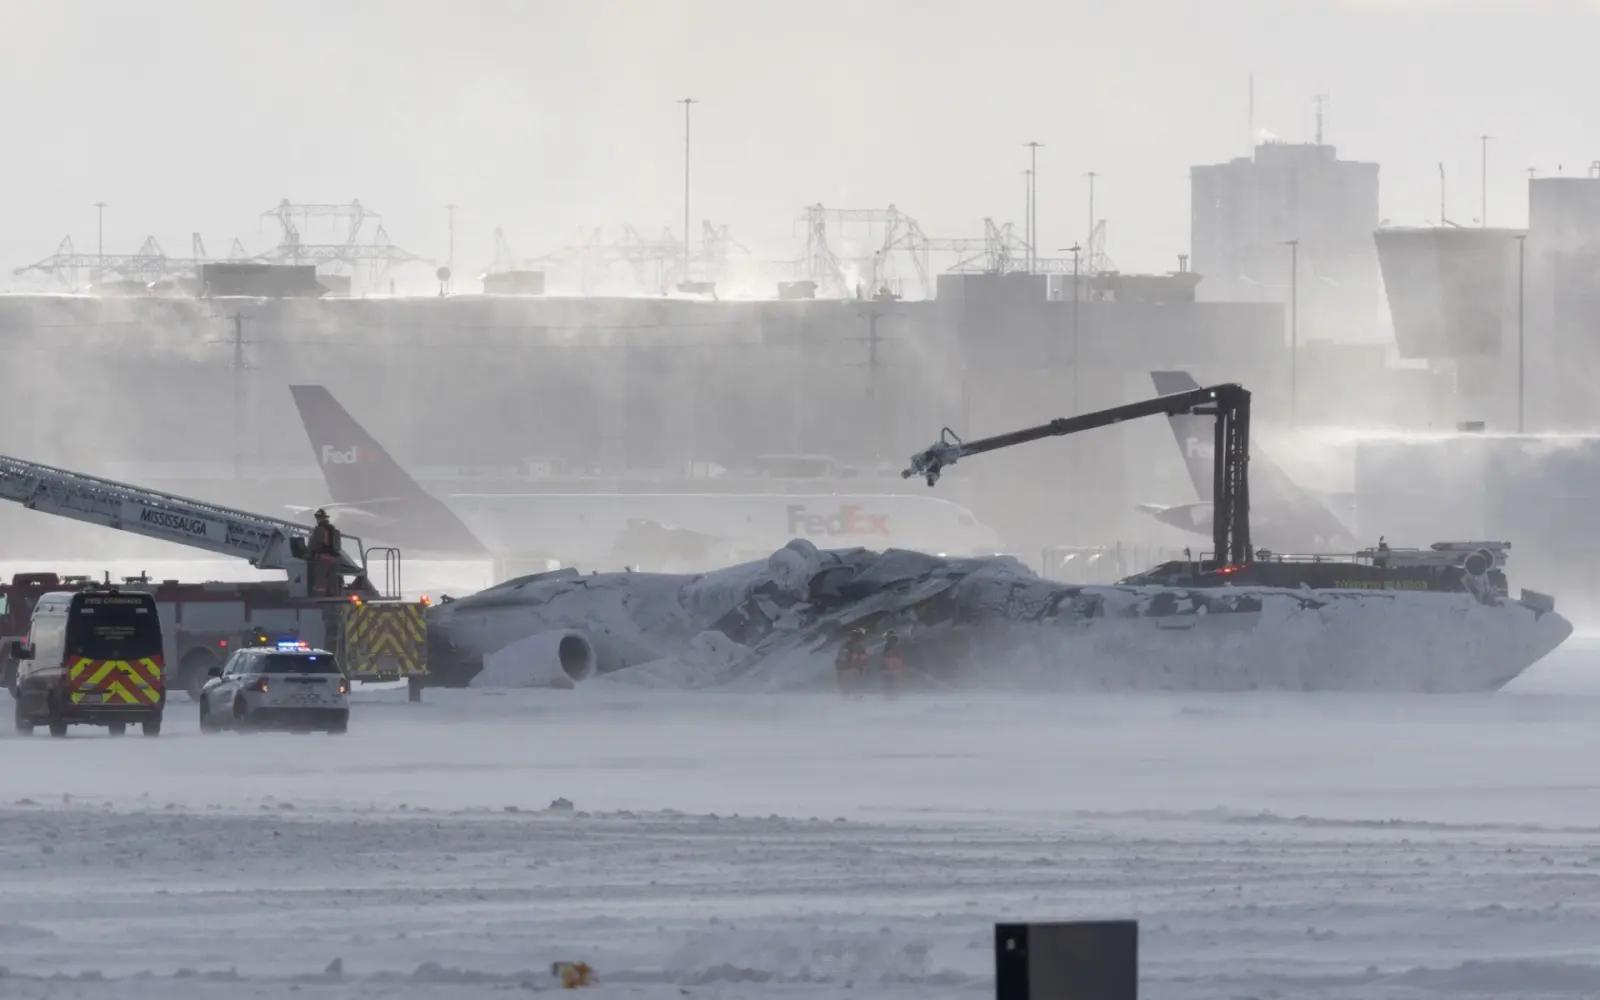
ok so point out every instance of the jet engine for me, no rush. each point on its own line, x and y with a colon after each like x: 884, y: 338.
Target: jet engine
x: 1475, y: 575
x: 558, y: 658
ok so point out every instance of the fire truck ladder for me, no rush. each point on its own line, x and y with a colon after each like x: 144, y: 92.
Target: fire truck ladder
x: 265, y: 542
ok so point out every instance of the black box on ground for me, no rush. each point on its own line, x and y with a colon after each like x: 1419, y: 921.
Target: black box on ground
x: 1085, y: 960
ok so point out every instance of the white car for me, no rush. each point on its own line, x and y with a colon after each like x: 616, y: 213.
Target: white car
x: 286, y: 686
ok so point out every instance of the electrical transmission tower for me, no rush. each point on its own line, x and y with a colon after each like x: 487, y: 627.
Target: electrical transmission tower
x: 369, y: 258
x: 148, y: 265
x: 888, y: 242
x: 632, y: 263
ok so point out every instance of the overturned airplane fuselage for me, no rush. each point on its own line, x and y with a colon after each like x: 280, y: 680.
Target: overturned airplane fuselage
x: 977, y: 622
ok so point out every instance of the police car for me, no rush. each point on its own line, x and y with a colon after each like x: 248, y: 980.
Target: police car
x: 287, y: 685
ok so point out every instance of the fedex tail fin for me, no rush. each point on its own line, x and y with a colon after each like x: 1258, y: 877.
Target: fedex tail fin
x: 370, y: 485
x: 1196, y: 434
x: 1287, y: 516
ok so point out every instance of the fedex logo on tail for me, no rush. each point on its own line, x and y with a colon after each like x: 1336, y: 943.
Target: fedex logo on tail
x: 849, y: 519
x: 354, y: 455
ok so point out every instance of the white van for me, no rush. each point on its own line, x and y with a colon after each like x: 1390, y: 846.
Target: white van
x: 92, y: 658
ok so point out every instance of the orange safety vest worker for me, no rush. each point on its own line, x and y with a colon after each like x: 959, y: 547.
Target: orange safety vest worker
x: 851, y: 663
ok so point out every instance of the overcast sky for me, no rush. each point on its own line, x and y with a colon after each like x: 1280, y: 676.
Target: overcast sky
x: 544, y: 118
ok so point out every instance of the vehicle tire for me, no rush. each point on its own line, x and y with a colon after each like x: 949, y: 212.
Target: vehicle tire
x: 241, y: 712
x: 339, y: 725
x: 152, y: 727
x: 23, y: 722
x: 117, y: 728
x: 58, y: 727
x: 206, y: 723
x: 413, y: 689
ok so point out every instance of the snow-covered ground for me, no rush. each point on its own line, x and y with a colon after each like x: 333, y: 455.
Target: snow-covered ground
x: 742, y: 845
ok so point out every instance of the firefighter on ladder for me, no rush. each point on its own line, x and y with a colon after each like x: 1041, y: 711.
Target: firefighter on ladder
x: 324, y: 551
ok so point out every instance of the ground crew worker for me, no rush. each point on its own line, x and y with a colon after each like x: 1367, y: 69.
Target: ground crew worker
x: 325, y: 550
x: 850, y: 666
x: 894, y: 665
x: 1381, y: 560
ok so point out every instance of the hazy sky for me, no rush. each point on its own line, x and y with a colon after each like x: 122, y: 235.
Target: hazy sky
x: 547, y: 117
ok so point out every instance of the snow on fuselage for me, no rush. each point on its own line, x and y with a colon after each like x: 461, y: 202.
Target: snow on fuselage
x: 980, y: 622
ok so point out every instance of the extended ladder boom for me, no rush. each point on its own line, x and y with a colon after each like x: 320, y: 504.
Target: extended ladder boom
x: 266, y: 542
x: 1229, y: 403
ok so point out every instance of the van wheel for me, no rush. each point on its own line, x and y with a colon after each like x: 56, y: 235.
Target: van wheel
x: 58, y: 727
x: 152, y: 727
x: 206, y: 725
x: 118, y: 728
x: 240, y: 711
x: 23, y: 722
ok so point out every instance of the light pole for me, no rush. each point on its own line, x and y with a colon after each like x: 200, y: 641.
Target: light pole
x: 450, y: 261
x: 1522, y: 246
x: 1033, y: 201
x: 1027, y: 213
x: 687, y: 103
x: 1090, y: 244
x: 1483, y: 182
x: 1294, y: 330
x: 100, y: 241
x: 1075, y: 249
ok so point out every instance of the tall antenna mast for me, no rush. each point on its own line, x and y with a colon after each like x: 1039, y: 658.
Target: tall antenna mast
x: 1321, y: 101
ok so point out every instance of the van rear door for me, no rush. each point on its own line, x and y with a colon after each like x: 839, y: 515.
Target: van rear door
x: 113, y: 651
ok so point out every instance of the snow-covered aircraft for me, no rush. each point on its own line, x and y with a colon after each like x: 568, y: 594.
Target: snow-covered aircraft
x: 776, y: 624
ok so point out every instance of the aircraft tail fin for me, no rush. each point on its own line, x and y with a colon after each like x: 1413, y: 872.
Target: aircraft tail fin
x: 362, y: 475
x: 1283, y: 506
x: 1195, y: 434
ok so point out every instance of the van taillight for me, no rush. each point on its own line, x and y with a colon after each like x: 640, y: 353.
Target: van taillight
x: 261, y: 685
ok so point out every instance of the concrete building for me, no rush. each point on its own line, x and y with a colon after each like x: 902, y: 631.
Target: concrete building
x: 1563, y: 302
x: 1454, y: 295
x: 1243, y: 212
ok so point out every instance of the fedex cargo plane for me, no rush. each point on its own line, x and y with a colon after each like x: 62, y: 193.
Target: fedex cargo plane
x: 1284, y: 517
x: 659, y: 531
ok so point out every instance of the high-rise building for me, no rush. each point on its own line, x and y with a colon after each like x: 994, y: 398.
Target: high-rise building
x: 1244, y: 212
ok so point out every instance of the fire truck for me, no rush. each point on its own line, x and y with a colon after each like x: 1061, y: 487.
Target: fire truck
x: 327, y: 600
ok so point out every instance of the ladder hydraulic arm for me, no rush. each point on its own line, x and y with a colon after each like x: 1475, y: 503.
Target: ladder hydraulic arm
x: 1228, y: 403
x: 265, y: 542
